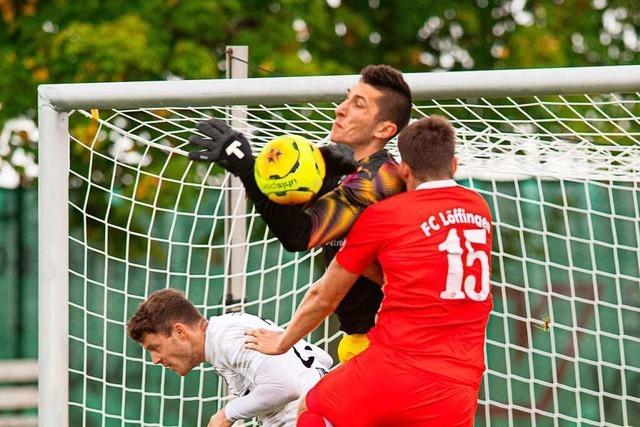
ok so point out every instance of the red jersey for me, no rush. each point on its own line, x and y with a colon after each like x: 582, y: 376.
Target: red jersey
x: 434, y: 245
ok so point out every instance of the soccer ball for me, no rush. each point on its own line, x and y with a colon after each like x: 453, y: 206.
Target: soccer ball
x: 289, y: 170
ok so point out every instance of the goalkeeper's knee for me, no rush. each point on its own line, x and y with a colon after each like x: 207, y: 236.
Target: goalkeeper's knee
x: 352, y: 345
x: 311, y: 419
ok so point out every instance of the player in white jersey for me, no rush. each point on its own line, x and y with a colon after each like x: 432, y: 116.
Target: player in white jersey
x: 172, y: 330
x: 259, y: 380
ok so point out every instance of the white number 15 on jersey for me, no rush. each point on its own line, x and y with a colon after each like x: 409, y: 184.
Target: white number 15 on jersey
x: 455, y: 269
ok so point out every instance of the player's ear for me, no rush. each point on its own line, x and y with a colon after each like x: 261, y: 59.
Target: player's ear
x: 405, y: 171
x: 180, y: 330
x: 454, y: 166
x: 385, y: 130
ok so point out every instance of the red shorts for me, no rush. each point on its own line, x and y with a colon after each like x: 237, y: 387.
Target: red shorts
x: 376, y: 390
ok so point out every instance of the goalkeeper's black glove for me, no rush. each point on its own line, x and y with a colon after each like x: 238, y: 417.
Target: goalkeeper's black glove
x: 223, y: 145
x: 338, y: 160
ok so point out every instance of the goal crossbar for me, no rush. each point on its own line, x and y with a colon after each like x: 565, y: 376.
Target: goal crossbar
x: 460, y: 84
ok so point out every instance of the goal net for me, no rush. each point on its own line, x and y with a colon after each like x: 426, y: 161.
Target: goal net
x: 555, y: 153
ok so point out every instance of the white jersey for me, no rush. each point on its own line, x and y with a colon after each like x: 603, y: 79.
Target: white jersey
x: 304, y: 364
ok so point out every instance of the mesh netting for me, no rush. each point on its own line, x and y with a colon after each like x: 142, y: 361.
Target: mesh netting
x: 559, y: 173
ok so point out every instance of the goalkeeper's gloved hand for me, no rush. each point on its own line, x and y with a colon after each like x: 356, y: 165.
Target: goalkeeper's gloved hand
x: 338, y: 160
x: 223, y: 145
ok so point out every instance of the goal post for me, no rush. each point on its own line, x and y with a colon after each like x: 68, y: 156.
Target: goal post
x: 555, y: 152
x: 53, y: 266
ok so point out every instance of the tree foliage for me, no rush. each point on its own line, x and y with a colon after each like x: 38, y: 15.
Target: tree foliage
x: 61, y: 41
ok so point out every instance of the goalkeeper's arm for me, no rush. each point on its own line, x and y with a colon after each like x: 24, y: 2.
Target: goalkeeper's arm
x: 230, y: 149
x: 293, y: 225
x: 289, y: 224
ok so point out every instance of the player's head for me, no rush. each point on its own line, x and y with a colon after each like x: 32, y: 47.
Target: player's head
x: 170, y: 328
x: 427, y: 148
x: 375, y: 110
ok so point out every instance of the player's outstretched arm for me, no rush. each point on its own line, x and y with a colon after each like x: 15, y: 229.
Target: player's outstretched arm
x: 294, y: 226
x: 220, y: 143
x: 223, y: 145
x: 318, y: 303
x: 231, y: 150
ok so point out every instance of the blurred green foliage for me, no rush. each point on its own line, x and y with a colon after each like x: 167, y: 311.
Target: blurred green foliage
x: 60, y: 41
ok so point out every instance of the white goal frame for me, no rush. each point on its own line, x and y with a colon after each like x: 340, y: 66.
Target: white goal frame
x: 56, y: 101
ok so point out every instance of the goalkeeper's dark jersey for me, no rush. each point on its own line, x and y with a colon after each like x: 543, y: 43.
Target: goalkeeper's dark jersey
x: 333, y: 214
x: 326, y: 221
x: 376, y: 178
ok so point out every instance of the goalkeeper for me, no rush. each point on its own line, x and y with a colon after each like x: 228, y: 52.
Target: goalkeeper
x: 360, y: 172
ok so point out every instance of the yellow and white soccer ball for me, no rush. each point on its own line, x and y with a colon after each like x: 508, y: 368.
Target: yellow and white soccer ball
x: 289, y: 170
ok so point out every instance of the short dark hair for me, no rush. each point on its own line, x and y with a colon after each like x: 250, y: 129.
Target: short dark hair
x: 159, y: 312
x: 396, y: 106
x: 428, y: 147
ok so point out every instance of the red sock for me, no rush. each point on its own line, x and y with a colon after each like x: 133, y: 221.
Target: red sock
x: 310, y: 419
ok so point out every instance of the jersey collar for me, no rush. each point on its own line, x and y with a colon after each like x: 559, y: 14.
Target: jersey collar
x: 437, y: 184
x: 381, y: 153
x: 207, y: 344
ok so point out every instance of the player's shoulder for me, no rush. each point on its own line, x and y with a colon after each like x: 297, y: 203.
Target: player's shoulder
x: 240, y: 320
x: 473, y: 196
x: 400, y: 202
x: 226, y: 335
x: 377, y: 177
x: 389, y: 205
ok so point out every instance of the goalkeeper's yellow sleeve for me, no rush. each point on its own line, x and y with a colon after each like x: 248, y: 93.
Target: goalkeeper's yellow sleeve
x: 352, y: 345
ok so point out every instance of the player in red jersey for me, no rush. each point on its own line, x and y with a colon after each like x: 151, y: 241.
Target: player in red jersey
x: 426, y: 358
